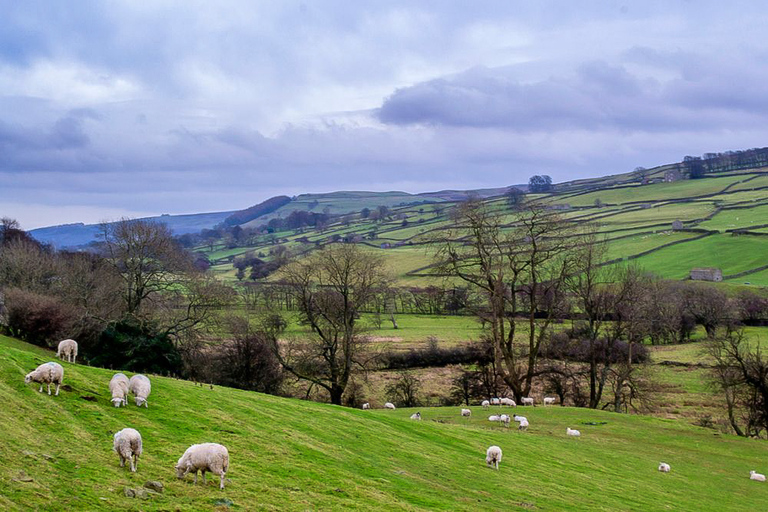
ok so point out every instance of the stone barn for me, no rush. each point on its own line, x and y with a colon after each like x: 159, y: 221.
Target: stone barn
x: 706, y: 274
x: 673, y: 175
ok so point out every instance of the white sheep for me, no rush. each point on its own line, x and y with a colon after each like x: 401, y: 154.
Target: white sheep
x: 416, y: 416
x: 493, y: 456
x: 495, y: 401
x: 574, y: 433
x: 127, y: 445
x: 523, y: 426
x: 140, y: 386
x: 466, y: 412
x: 527, y: 400
x: 549, y: 400
x: 46, y: 373
x: 389, y: 405
x: 67, y: 349
x: 504, y: 418
x: 509, y: 402
x: 485, y: 403
x: 664, y: 467
x: 756, y: 476
x: 494, y: 418
x: 366, y: 406
x: 119, y: 387
x: 204, y: 457
x: 519, y: 418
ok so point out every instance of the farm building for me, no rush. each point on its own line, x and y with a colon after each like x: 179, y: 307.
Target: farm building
x: 677, y: 225
x: 673, y: 175
x: 706, y: 274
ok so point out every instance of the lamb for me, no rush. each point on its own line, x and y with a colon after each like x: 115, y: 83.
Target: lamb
x: 495, y: 401
x: 549, y: 400
x: 466, y: 412
x: 46, y: 373
x: 119, y: 386
x: 523, y: 426
x: 574, y: 433
x: 366, y: 406
x: 127, y: 445
x: 204, y: 457
x: 527, y: 400
x: 141, y: 387
x: 416, y: 416
x: 68, y: 349
x: 493, y: 456
x: 504, y: 418
x: 756, y: 476
x: 389, y: 405
x: 664, y: 467
x: 509, y: 402
x: 485, y: 403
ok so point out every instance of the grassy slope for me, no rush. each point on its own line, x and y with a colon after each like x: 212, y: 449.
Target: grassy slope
x: 294, y: 455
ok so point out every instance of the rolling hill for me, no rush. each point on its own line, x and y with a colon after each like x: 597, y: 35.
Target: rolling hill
x: 288, y: 454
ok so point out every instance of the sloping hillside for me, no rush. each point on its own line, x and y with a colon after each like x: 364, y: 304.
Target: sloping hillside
x: 293, y: 455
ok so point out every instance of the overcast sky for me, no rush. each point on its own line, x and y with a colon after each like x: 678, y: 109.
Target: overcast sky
x: 126, y: 108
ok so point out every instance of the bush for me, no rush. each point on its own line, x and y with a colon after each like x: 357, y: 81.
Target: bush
x: 404, y: 391
x: 435, y: 357
x: 135, y: 346
x: 36, y: 318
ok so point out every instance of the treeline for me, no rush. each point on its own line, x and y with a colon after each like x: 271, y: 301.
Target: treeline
x: 257, y: 210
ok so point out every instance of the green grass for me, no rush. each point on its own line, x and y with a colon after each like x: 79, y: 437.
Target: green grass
x: 295, y: 455
x: 640, y: 243
x: 740, y: 218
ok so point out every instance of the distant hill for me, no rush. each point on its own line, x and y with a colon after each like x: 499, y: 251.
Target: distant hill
x: 75, y: 235
x: 257, y: 210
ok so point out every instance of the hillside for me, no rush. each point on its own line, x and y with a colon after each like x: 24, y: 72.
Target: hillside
x: 294, y: 455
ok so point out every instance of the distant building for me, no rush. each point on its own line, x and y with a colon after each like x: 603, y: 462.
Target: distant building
x: 677, y: 225
x: 706, y: 274
x: 673, y: 175
x: 385, y: 245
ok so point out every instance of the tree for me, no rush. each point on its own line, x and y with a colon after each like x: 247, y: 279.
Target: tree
x: 539, y: 184
x: 404, y: 391
x: 330, y: 287
x: 694, y: 166
x: 514, y: 197
x: 519, y: 272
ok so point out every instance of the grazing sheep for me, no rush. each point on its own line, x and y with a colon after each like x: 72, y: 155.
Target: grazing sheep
x: 519, y: 418
x: 523, y: 426
x: 139, y: 385
x: 118, y: 386
x: 504, y: 418
x: 366, y: 405
x: 756, y: 476
x: 466, y: 412
x: 509, y: 402
x: 527, y: 400
x: 416, y: 416
x: 549, y: 400
x: 574, y: 433
x: 127, y: 445
x: 46, y: 373
x: 204, y: 457
x: 664, y: 467
x: 495, y: 401
x: 67, y: 349
x: 493, y: 456
x: 485, y: 403
x: 389, y: 405
x: 494, y: 418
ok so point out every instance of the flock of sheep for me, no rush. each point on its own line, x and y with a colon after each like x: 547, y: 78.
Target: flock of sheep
x: 127, y: 442
x: 214, y: 457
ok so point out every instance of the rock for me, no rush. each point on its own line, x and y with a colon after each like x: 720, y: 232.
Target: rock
x: 48, y: 457
x: 129, y: 493
x: 154, y: 485
x: 28, y: 453
x: 23, y: 477
x: 225, y: 502
x: 142, y: 493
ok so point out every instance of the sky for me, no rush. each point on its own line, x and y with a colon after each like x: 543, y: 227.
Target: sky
x: 113, y: 109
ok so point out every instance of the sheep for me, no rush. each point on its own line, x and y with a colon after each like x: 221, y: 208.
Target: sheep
x: 494, y: 418
x: 127, y: 445
x: 549, y: 400
x: 527, y: 400
x: 756, y: 476
x: 509, y: 402
x: 664, y: 467
x: 519, y: 418
x: 118, y: 386
x: 574, y: 433
x: 416, y: 416
x: 67, y: 349
x: 389, y: 405
x: 141, y: 387
x: 46, y: 373
x: 366, y: 406
x: 204, y: 457
x: 466, y: 412
x: 504, y: 418
x: 523, y: 426
x: 493, y: 457
x: 495, y: 401
x: 485, y: 403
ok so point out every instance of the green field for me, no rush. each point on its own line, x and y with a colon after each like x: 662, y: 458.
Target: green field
x: 739, y: 218
x: 288, y: 454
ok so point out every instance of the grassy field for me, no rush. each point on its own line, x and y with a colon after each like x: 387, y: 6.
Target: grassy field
x: 294, y: 455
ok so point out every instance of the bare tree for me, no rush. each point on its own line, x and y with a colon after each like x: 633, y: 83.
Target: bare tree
x: 329, y: 288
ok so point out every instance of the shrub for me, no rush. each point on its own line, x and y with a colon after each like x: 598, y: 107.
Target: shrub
x: 435, y: 357
x: 135, y: 346
x: 36, y: 318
